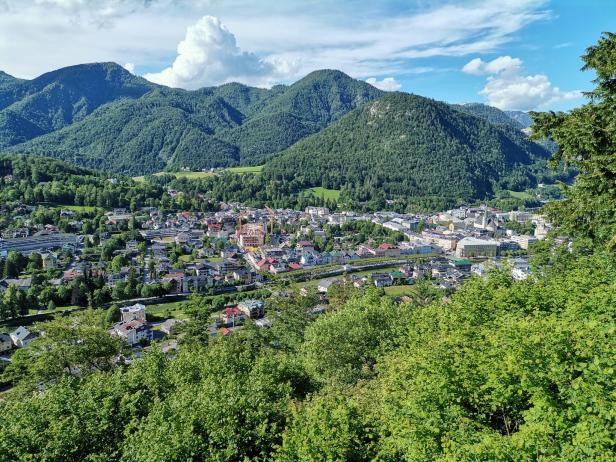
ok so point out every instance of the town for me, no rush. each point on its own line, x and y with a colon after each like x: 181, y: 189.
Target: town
x: 141, y: 264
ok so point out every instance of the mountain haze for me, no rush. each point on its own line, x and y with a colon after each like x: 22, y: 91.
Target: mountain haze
x: 491, y: 114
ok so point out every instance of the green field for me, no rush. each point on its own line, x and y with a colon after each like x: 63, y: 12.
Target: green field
x: 80, y: 208
x: 199, y: 175
x: 397, y: 291
x: 246, y: 169
x: 331, y: 194
x: 74, y: 208
x: 520, y: 194
x: 173, y: 309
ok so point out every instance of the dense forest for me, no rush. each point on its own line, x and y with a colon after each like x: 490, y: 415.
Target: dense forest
x: 152, y: 128
x: 45, y: 182
x: 498, y: 371
x: 411, y: 149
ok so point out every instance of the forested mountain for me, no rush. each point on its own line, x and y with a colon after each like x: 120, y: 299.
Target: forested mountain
x: 212, y: 127
x: 405, y: 145
x: 489, y: 113
x: 30, y: 108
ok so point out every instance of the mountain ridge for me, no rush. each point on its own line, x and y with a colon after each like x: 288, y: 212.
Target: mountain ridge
x: 221, y: 126
x: 406, y: 145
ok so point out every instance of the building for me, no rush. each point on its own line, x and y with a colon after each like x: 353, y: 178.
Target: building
x: 38, y: 242
x: 22, y: 337
x: 325, y: 285
x: 251, y: 235
x: 6, y: 343
x: 133, y: 332
x: 381, y: 279
x: 473, y: 247
x: 524, y: 241
x: 170, y: 326
x: 130, y: 313
x: 231, y: 315
x: 444, y: 241
x: 50, y: 260
x: 252, y: 308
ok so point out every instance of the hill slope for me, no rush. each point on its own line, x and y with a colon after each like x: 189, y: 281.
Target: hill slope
x: 405, y: 145
x: 212, y: 127
x: 30, y: 108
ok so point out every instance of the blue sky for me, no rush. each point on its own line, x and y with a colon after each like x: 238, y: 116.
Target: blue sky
x: 513, y: 54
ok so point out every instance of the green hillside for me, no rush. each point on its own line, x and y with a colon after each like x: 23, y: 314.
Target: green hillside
x: 175, y: 129
x: 29, y: 108
x: 405, y: 146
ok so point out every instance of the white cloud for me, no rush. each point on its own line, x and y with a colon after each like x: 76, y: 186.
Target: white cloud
x: 387, y: 84
x: 130, y: 67
x: 209, y: 55
x: 509, y: 87
x: 501, y: 64
x: 101, y: 12
x: 293, y: 37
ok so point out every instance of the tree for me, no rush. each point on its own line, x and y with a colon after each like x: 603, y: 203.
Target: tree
x: 74, y: 346
x: 14, y: 264
x: 585, y: 139
x: 112, y: 315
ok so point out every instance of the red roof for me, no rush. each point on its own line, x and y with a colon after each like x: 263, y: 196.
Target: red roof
x: 386, y: 246
x: 267, y: 262
x: 224, y: 331
x: 232, y: 311
x: 214, y: 227
x: 295, y: 266
x: 305, y: 244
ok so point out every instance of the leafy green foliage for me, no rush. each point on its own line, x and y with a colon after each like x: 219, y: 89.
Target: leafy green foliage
x: 586, y: 140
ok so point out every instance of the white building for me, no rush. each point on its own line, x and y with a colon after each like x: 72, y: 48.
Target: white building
x: 130, y: 313
x: 133, y: 331
x: 474, y: 247
x: 22, y: 337
x: 524, y: 241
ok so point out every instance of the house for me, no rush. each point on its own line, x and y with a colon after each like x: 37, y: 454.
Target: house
x: 231, y: 315
x: 461, y: 264
x: 398, y: 277
x: 6, y: 343
x: 22, y: 284
x: 381, y: 279
x: 324, y: 285
x: 520, y: 270
x: 295, y: 266
x: 133, y: 332
x: 170, y: 326
x: 22, y: 337
x: 524, y: 241
x: 130, y: 313
x: 50, y: 260
x: 132, y: 245
x: 252, y: 308
x: 305, y: 246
